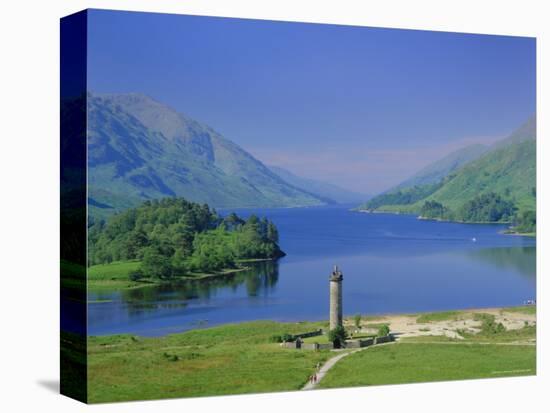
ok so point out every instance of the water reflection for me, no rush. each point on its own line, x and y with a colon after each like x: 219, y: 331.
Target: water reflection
x: 521, y: 259
x: 260, y: 279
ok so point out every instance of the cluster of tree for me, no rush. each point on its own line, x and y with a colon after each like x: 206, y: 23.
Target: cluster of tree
x: 175, y: 237
x: 403, y: 197
x: 525, y: 221
x: 434, y: 210
x: 489, y: 207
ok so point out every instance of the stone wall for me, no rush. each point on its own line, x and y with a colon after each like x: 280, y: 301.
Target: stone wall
x: 317, y: 346
x: 349, y: 344
x: 359, y: 343
x: 309, y: 334
x: 384, y: 339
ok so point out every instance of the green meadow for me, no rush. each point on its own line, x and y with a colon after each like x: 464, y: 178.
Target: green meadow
x: 242, y: 358
x: 113, y: 275
x: 439, y: 358
x: 230, y: 359
x: 411, y: 362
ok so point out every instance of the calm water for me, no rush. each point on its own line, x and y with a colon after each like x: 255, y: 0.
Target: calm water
x: 391, y: 264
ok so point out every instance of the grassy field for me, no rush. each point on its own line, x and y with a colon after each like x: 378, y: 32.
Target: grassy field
x: 113, y: 275
x: 322, y: 339
x: 410, y: 362
x: 241, y: 358
x: 524, y: 309
x: 222, y: 360
x: 438, y: 358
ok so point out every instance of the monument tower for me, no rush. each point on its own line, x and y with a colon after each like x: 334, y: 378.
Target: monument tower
x: 335, y: 298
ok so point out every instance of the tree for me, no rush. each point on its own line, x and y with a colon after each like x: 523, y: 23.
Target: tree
x: 137, y: 239
x: 180, y: 265
x: 526, y: 221
x: 357, y: 321
x: 272, y: 233
x: 433, y: 209
x: 155, y: 264
x: 338, y: 336
x: 383, y: 330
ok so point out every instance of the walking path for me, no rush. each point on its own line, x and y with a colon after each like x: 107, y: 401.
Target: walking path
x: 327, y: 366
x: 331, y: 362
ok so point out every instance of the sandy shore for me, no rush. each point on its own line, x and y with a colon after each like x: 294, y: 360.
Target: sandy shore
x: 408, y: 326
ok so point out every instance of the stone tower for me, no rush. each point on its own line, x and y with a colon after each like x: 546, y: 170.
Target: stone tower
x: 336, y: 298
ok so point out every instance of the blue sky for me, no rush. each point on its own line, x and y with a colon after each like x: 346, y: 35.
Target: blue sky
x: 359, y: 107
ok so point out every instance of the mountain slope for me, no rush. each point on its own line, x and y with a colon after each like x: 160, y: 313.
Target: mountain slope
x: 508, y: 171
x: 330, y: 192
x: 438, y: 170
x: 141, y: 149
x: 505, y: 174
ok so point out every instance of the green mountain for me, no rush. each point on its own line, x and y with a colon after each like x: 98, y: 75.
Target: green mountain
x: 498, y: 186
x: 438, y: 170
x: 140, y: 149
x: 331, y: 193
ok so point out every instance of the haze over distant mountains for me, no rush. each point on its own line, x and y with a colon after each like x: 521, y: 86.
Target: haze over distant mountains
x: 333, y: 193
x: 140, y: 149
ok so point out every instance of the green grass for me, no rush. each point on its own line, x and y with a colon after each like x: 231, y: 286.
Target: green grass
x: 322, y: 339
x: 119, y: 270
x: 439, y: 316
x: 524, y: 309
x: 526, y: 333
x: 222, y: 360
x: 420, y: 362
x: 362, y: 336
x: 375, y: 325
x: 113, y: 276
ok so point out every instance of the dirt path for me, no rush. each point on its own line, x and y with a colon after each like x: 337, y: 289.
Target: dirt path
x: 331, y: 362
x: 327, y: 366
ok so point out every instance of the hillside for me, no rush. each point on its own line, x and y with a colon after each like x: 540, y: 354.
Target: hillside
x: 329, y: 192
x: 140, y: 149
x: 498, y: 186
x: 438, y: 170
x: 508, y: 171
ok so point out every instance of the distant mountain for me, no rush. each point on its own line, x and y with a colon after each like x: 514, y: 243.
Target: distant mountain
x: 505, y: 176
x: 140, y: 149
x: 526, y: 132
x: 436, y: 171
x: 508, y: 169
x: 331, y: 193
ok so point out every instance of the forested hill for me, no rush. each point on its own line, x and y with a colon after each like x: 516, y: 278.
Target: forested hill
x: 500, y: 186
x: 174, y: 237
x: 141, y: 149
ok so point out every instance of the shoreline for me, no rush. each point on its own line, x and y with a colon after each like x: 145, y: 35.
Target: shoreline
x: 126, y: 284
x: 403, y: 321
x: 420, y: 217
